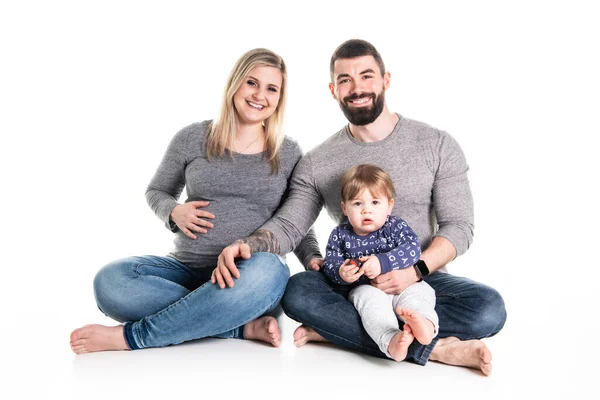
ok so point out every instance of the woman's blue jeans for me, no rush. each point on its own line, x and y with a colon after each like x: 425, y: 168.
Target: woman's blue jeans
x: 164, y: 302
x: 466, y: 309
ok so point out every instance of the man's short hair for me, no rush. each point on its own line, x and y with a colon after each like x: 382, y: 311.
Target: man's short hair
x: 355, y: 48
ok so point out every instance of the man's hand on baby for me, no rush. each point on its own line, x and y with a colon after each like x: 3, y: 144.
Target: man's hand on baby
x: 314, y: 264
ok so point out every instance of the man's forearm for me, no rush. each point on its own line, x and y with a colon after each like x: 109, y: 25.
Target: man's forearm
x: 261, y: 240
x: 439, y: 253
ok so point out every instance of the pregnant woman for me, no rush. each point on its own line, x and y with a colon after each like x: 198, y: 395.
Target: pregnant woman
x: 235, y: 170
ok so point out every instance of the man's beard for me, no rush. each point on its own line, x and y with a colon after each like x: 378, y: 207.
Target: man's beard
x: 363, y: 115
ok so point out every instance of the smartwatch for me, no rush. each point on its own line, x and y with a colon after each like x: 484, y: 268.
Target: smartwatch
x: 422, y: 270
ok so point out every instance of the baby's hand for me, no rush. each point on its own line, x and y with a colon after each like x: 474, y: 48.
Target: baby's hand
x: 371, y: 266
x: 349, y: 271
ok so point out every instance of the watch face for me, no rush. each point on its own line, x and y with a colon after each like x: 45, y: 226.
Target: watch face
x: 422, y: 267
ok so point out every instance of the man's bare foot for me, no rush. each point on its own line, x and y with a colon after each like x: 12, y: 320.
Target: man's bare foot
x: 468, y: 353
x: 265, y: 329
x: 304, y: 334
x: 91, y: 338
x: 422, y: 328
x: 398, y: 346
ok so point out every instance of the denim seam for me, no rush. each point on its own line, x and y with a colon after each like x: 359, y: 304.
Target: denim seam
x: 426, y: 352
x: 139, y: 264
x: 129, y: 336
x: 450, y: 295
x: 151, y: 317
x: 136, y: 329
x: 164, y: 280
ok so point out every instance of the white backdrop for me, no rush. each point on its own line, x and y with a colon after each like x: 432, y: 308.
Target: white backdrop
x: 92, y: 92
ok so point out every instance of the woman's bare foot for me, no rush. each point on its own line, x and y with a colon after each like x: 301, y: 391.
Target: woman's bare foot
x: 398, y: 347
x: 422, y: 328
x: 468, y: 353
x: 304, y: 334
x: 265, y: 329
x: 91, y: 338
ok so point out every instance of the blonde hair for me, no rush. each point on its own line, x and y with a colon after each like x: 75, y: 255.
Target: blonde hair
x: 223, y: 129
x: 366, y: 176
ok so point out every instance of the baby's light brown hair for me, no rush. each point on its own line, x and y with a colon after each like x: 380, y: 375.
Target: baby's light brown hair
x: 366, y: 176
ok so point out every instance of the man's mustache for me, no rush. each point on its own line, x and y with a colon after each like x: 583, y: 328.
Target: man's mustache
x: 356, y: 96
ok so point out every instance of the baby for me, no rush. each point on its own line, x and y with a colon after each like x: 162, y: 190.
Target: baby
x: 373, y: 242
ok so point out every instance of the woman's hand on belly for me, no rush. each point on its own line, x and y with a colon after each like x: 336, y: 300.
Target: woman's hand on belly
x: 190, y: 218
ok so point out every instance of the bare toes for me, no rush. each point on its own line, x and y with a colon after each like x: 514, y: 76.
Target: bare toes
x: 299, y: 332
x: 78, y: 349
x: 486, y: 369
x: 485, y: 354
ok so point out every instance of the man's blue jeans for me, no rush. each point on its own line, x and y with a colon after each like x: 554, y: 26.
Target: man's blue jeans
x: 163, y: 302
x: 466, y: 309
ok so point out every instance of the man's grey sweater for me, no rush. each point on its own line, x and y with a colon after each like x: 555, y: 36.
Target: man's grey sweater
x: 427, y: 167
x: 242, y: 191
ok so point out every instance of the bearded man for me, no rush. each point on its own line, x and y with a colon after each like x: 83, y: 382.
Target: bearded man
x: 429, y: 172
